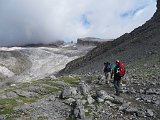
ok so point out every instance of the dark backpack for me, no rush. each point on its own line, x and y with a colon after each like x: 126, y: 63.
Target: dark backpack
x: 107, y: 67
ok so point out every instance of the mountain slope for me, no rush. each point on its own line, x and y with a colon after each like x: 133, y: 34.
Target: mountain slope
x: 140, y: 43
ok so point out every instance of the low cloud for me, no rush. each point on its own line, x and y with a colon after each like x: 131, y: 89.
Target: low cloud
x: 44, y: 21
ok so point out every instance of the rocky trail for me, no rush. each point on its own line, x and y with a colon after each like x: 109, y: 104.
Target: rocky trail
x: 76, y: 97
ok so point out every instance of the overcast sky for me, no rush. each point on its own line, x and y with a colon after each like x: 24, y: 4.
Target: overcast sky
x: 43, y: 21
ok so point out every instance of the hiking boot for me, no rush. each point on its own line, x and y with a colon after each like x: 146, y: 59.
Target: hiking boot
x: 117, y: 94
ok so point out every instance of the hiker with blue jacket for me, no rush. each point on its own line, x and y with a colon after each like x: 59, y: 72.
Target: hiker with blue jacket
x: 107, y: 71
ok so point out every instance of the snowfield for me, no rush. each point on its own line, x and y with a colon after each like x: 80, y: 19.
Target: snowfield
x: 42, y: 61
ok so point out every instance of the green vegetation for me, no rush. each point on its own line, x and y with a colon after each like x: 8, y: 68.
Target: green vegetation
x: 48, y: 85
x: 42, y: 118
x: 124, y: 81
x: 1, y: 78
x: 22, y: 100
x: 9, y: 88
x: 42, y: 87
x: 50, y: 89
x: 94, y: 77
x: 86, y: 106
x: 69, y: 79
x: 7, y: 105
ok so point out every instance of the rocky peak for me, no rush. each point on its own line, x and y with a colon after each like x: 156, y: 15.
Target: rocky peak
x: 158, y: 5
x: 157, y: 14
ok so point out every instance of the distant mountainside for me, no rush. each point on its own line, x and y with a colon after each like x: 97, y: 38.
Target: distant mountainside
x: 91, y: 41
x: 54, y: 44
x: 24, y: 64
x: 141, y: 44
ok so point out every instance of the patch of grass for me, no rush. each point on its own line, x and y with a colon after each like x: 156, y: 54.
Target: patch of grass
x: 48, y: 85
x: 46, y: 81
x: 19, y: 101
x: 51, y: 89
x: 95, y: 103
x: 18, y: 86
x: 94, y: 77
x: 18, y: 115
x: 27, y: 99
x: 124, y: 81
x: 7, y: 105
x: 24, y: 85
x: 1, y: 78
x: 42, y: 118
x: 86, y: 106
x: 70, y: 80
x: 43, y: 81
x: 9, y: 89
x: 88, y: 113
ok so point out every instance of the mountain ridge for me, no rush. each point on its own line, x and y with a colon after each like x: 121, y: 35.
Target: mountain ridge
x: 129, y: 47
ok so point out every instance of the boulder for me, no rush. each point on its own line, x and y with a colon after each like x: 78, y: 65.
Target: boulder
x: 117, y: 100
x: 83, y: 88
x: 87, y: 78
x: 2, y: 117
x: 51, y: 98
x: 69, y: 101
x: 68, y: 92
x: 80, y: 102
x: 157, y: 102
x: 124, y: 106
x: 101, y: 80
x: 100, y: 100
x: 90, y: 100
x: 79, y: 112
x: 131, y: 110
x: 101, y: 94
x: 149, y: 113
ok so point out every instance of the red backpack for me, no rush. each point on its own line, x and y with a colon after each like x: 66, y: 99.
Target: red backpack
x: 122, y: 69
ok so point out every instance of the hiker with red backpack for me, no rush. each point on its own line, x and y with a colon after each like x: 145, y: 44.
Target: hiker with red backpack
x: 118, y: 71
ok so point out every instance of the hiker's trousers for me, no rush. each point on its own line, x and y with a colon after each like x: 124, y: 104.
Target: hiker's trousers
x: 116, y: 82
x: 108, y: 76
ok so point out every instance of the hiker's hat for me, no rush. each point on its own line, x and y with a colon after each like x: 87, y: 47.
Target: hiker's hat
x: 117, y: 61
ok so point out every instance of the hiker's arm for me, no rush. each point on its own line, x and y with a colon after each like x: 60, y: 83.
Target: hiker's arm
x: 112, y: 72
x: 104, y: 69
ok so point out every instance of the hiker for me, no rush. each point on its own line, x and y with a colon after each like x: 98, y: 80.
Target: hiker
x: 107, y: 71
x: 118, y: 71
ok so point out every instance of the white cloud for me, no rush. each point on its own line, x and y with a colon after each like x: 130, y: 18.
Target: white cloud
x: 33, y: 21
